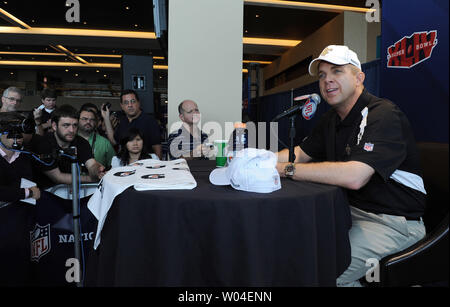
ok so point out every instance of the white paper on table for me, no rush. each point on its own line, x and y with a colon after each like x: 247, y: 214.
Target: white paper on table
x: 25, y: 184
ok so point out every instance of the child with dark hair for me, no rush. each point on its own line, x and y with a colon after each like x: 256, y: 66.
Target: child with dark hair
x: 132, y: 149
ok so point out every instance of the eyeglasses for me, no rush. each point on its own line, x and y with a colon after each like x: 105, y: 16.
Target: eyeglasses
x: 127, y: 102
x: 191, y: 111
x: 18, y: 100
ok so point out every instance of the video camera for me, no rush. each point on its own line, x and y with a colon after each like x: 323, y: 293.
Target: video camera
x: 15, y: 123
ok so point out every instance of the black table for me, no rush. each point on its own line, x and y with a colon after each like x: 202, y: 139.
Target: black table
x: 216, y: 236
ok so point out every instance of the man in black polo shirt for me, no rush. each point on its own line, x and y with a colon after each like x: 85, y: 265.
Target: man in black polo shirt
x: 59, y: 143
x: 133, y: 117
x: 366, y: 146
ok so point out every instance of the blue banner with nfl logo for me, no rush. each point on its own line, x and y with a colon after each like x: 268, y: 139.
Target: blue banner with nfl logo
x: 415, y: 67
x: 37, y: 242
x: 52, y: 239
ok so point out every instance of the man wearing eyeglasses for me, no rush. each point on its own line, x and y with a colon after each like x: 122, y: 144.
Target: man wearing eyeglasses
x: 189, y: 141
x: 11, y: 99
x: 134, y: 117
x: 102, y: 149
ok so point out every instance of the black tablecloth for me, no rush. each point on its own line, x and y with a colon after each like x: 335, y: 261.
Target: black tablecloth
x: 217, y: 236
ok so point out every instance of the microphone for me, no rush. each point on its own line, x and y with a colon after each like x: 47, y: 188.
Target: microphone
x: 308, y: 108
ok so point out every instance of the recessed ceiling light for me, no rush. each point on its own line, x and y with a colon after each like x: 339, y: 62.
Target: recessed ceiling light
x: 11, y: 73
x: 104, y: 76
x: 32, y: 20
x: 76, y: 75
x: 127, y: 7
x: 257, y: 16
x: 136, y: 25
x: 67, y: 70
x: 84, y: 22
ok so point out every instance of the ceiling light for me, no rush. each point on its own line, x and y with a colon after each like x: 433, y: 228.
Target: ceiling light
x: 12, y: 19
x: 259, y: 62
x: 69, y: 64
x: 271, y: 41
x: 79, y: 32
x: 308, y: 6
x: 127, y: 7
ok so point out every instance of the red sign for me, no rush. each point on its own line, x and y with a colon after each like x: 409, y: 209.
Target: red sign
x: 411, y: 50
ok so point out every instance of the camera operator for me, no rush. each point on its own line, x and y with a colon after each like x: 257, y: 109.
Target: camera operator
x: 15, y: 216
x: 14, y: 166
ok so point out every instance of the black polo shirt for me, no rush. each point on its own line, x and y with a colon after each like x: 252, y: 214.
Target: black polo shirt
x: 378, y: 134
x: 48, y: 145
x: 145, y: 123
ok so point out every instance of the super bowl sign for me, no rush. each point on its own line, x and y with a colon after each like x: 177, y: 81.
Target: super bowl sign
x: 411, y: 50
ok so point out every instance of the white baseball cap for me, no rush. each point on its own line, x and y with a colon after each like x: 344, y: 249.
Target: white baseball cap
x: 251, y: 170
x: 335, y: 54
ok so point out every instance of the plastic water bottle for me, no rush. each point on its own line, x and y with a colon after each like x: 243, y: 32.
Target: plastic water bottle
x: 238, y: 140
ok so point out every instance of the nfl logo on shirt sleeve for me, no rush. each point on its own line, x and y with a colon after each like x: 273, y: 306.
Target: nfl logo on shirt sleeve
x: 368, y: 147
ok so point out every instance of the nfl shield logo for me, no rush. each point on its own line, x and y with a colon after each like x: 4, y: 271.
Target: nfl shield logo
x: 39, y: 241
x: 368, y: 146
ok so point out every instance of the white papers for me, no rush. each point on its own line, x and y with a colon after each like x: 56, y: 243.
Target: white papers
x: 143, y: 175
x: 25, y: 184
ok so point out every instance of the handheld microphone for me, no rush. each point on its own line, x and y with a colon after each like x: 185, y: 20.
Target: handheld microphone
x: 308, y: 108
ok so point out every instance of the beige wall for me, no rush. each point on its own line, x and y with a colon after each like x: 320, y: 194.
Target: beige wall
x: 347, y: 28
x: 205, y: 59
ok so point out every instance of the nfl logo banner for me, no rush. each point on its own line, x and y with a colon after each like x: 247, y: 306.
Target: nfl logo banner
x: 40, y: 241
x: 368, y: 146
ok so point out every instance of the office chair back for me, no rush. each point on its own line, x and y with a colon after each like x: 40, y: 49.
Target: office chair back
x: 434, y: 159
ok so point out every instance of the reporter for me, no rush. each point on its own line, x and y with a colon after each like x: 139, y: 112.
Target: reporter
x: 65, y: 125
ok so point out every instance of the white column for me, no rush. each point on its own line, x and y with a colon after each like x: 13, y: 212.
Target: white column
x: 205, y: 59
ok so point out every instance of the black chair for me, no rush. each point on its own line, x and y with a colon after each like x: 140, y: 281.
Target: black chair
x: 426, y: 262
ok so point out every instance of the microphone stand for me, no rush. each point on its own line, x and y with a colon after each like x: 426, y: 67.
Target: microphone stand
x: 75, y: 210
x: 292, y: 131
